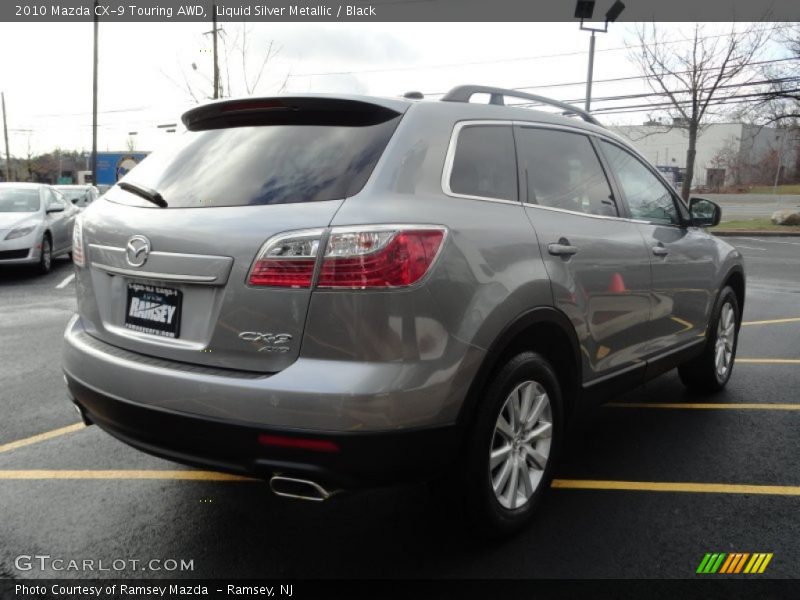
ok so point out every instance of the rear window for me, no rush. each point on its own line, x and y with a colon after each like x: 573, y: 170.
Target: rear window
x: 73, y: 195
x: 19, y: 200
x: 264, y: 164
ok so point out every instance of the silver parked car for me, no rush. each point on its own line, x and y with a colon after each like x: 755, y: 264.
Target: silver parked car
x: 79, y: 195
x: 35, y: 224
x: 336, y: 292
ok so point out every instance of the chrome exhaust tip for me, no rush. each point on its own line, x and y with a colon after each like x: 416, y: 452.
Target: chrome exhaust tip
x: 299, y: 489
x: 86, y: 420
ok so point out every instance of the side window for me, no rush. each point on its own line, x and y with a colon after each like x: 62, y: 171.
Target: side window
x: 49, y: 198
x: 648, y: 198
x: 562, y: 170
x: 484, y: 163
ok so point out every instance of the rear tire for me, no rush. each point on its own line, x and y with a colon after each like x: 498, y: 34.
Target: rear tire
x: 710, y: 372
x: 508, y: 464
x: 46, y: 258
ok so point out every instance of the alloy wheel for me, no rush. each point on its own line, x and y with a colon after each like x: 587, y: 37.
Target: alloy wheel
x: 726, y: 335
x: 520, y: 445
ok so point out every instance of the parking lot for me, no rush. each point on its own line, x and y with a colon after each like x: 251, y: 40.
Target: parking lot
x: 650, y: 484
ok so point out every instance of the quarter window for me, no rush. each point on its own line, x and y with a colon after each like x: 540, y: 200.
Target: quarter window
x: 648, y: 198
x: 484, y: 163
x: 562, y: 170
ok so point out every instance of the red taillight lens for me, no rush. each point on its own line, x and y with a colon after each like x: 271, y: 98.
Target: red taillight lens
x: 401, y: 259
x: 282, y: 441
x: 77, y: 242
x: 282, y: 273
x: 287, y: 260
x: 356, y: 258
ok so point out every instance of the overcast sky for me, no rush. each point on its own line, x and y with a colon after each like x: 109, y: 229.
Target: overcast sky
x: 149, y: 72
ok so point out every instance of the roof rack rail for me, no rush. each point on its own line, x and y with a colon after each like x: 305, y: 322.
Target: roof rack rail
x: 463, y: 93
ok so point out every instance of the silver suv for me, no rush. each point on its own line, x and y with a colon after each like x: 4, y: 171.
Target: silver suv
x: 337, y: 292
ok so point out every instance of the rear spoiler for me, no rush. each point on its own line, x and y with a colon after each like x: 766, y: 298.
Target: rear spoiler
x: 298, y: 110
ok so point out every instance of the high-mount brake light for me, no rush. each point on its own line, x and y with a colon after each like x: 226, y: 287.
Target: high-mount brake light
x: 252, y: 105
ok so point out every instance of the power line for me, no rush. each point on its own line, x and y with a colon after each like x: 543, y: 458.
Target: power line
x: 628, y: 78
x: 516, y: 59
x: 677, y: 92
x: 733, y: 99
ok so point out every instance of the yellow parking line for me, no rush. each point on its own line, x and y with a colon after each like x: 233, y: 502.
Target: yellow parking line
x: 121, y: 474
x: 41, y: 437
x: 772, y: 321
x: 661, y: 486
x: 707, y: 405
x: 685, y: 324
x: 769, y: 361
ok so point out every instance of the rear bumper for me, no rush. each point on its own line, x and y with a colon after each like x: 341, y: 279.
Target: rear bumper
x: 362, y: 459
x: 214, y: 417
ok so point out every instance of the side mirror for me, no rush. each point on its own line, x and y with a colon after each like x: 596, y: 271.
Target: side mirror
x: 74, y: 201
x: 705, y: 213
x: 55, y: 209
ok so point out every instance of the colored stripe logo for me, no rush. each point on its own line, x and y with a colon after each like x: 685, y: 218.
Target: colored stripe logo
x: 734, y: 563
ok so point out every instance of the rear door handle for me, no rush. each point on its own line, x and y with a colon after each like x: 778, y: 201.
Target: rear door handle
x: 561, y: 249
x: 660, y: 251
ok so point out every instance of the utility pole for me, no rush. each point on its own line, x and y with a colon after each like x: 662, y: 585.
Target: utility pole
x: 214, y: 32
x: 5, y: 135
x: 94, y: 99
x: 216, y: 59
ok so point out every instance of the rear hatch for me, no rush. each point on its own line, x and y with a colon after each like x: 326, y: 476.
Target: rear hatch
x: 168, y: 251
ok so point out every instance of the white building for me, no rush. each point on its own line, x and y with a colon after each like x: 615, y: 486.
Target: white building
x: 728, y: 154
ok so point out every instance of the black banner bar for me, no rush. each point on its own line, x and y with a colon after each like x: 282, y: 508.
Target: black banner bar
x: 107, y: 589
x: 389, y: 10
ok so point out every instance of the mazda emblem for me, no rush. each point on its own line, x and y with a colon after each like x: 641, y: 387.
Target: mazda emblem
x: 137, y: 250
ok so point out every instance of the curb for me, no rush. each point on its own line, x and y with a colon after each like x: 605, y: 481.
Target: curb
x: 750, y: 233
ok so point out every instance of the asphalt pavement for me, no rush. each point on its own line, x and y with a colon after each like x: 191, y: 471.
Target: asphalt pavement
x: 718, y: 478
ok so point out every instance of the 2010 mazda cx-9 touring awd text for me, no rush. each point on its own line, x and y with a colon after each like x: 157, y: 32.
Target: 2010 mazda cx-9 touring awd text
x: 336, y: 292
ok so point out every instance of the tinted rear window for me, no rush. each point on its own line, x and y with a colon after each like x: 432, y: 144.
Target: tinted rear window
x: 265, y: 164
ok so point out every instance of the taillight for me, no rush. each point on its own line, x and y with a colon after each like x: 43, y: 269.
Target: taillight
x: 379, y: 258
x: 77, y: 242
x: 287, y: 260
x: 382, y: 256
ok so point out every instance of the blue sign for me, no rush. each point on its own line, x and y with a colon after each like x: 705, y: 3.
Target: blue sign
x: 113, y: 166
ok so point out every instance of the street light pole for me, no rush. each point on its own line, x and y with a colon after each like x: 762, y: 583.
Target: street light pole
x: 588, y: 103
x: 584, y: 10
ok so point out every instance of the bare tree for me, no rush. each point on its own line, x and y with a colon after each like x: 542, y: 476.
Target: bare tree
x: 690, y: 75
x: 782, y: 100
x: 243, y: 65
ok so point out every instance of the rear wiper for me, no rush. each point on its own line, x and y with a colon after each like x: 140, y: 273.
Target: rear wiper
x: 144, y: 192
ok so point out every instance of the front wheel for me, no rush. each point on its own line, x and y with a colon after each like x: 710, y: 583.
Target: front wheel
x: 509, y: 462
x: 46, y: 258
x: 711, y: 371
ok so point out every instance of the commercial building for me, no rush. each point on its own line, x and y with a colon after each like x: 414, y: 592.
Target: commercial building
x: 728, y: 154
